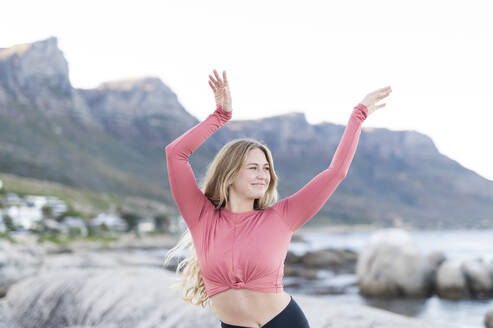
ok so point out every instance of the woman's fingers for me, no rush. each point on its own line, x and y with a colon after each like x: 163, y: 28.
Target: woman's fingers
x: 213, y: 88
x: 216, y: 84
x: 371, y: 99
x: 218, y: 78
x: 384, y: 91
x: 225, y: 78
x: 382, y: 95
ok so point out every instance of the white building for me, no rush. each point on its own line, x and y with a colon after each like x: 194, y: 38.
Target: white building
x: 13, y: 199
x: 113, y: 222
x: 71, y: 222
x: 146, y: 225
x: 24, y: 217
x: 53, y: 226
x: 58, y: 205
x: 35, y: 201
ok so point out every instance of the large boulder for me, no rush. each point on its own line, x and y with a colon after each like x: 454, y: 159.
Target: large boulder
x: 336, y: 260
x: 392, y: 266
x: 451, y: 282
x: 478, y: 277
x: 17, y: 262
x: 488, y: 319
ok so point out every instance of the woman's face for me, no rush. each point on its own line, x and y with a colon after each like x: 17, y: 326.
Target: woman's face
x: 254, y: 176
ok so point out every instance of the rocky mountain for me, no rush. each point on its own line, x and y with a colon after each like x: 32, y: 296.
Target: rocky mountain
x: 112, y: 138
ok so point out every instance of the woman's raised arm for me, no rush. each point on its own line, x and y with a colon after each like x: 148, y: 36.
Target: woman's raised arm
x: 304, y: 204
x: 189, y: 199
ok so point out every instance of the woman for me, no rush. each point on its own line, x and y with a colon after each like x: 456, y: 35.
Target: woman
x: 238, y: 239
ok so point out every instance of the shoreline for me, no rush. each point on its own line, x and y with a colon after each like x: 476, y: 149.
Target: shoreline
x: 338, y: 228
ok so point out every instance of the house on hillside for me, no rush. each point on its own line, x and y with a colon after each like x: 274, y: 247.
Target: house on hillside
x: 72, y: 223
x: 24, y: 218
x: 112, y: 222
x: 146, y: 225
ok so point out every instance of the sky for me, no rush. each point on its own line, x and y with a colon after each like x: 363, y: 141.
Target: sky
x: 317, y: 57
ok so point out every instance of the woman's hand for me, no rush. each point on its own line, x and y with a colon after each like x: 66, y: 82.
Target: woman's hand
x: 221, y: 91
x: 372, y: 98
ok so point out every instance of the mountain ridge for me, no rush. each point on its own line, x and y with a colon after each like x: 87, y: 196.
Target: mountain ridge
x: 112, y: 138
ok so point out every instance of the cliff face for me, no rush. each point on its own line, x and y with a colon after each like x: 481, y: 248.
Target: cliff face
x: 112, y: 138
x: 137, y: 108
x: 35, y: 75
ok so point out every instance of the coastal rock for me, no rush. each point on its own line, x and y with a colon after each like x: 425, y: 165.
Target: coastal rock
x: 298, y: 238
x: 292, y: 258
x: 435, y: 259
x: 300, y: 271
x: 488, y: 319
x: 141, y: 297
x: 451, y: 282
x: 337, y: 260
x: 391, y: 265
x: 478, y: 278
x: 16, y: 263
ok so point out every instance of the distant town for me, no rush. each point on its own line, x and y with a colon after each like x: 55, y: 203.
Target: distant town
x: 52, y: 217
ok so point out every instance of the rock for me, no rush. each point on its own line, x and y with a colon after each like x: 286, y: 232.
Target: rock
x: 392, y: 266
x: 17, y: 262
x: 488, y: 319
x: 478, y: 278
x: 292, y: 258
x: 435, y: 259
x: 328, y: 290
x: 141, y: 297
x: 3, y: 313
x: 339, y: 261
x: 300, y: 271
x: 451, y: 283
x: 298, y: 238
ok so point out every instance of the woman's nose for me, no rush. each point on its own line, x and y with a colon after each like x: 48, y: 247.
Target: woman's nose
x: 263, y: 174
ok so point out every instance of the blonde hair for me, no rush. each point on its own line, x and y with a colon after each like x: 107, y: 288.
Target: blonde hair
x: 219, y: 176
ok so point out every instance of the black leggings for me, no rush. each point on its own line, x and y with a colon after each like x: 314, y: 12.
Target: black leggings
x: 291, y: 317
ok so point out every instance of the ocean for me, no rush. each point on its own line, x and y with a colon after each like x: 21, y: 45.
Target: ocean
x: 457, y: 245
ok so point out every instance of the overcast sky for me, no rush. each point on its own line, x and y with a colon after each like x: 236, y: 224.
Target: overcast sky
x: 316, y: 57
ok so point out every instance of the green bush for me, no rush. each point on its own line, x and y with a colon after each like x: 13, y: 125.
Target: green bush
x: 69, y: 212
x: 162, y: 222
x: 9, y: 223
x: 6, y: 235
x: 132, y: 220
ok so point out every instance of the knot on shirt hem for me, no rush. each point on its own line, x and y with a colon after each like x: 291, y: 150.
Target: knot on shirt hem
x: 238, y: 284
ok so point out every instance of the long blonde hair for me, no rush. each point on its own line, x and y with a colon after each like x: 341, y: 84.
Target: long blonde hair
x: 219, y: 176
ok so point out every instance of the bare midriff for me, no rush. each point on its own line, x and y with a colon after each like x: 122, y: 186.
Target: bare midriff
x: 248, y: 308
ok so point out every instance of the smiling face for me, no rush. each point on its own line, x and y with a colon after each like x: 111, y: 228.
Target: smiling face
x: 254, y: 176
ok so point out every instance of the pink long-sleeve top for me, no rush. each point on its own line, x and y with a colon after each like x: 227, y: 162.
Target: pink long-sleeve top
x: 248, y: 249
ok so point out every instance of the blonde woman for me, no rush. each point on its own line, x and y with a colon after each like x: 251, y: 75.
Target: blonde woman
x: 238, y: 233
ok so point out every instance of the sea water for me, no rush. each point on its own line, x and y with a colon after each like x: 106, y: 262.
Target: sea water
x: 457, y: 245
